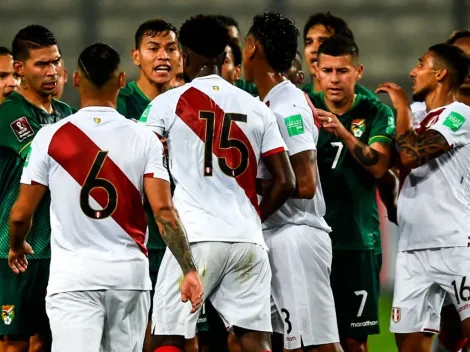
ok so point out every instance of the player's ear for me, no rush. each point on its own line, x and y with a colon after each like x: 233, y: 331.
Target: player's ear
x: 66, y: 75
x: 440, y: 73
x: 135, y: 57
x: 18, y: 67
x: 237, y: 72
x: 122, y: 80
x: 360, y: 71
x: 301, y: 77
x: 76, y: 80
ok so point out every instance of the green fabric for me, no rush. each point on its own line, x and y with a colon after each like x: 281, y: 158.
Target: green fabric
x: 22, y: 298
x: 350, y: 190
x: 19, y: 122
x: 247, y: 87
x: 352, y: 273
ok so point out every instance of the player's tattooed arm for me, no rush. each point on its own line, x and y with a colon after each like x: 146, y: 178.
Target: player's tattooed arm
x: 174, y: 235
x: 415, y: 150
x: 364, y: 154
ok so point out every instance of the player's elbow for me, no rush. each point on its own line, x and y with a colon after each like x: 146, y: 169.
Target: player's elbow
x: 407, y: 162
x: 287, y: 183
x: 306, y: 190
x: 379, y: 172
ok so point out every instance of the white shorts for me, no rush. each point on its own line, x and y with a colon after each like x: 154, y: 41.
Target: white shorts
x: 424, y: 279
x: 236, y: 279
x: 300, y: 258
x: 103, y: 320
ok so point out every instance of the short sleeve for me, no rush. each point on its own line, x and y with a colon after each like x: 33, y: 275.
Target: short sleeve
x: 154, y: 167
x: 36, y: 167
x: 157, y: 114
x: 383, y: 126
x: 454, y: 125
x: 16, y: 130
x: 272, y: 141
x: 298, y: 130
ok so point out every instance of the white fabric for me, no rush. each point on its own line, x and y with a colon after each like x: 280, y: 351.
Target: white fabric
x: 290, y: 105
x: 229, y: 204
x: 423, y: 280
x: 300, y: 258
x: 96, y: 253
x: 434, y: 202
x: 105, y: 320
x: 236, y: 279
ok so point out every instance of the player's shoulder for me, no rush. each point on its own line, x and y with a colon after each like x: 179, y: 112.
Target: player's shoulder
x: 456, y: 115
x: 372, y: 107
x: 417, y: 107
x: 127, y: 90
x: 358, y: 89
x: 64, y: 108
x: 15, y: 110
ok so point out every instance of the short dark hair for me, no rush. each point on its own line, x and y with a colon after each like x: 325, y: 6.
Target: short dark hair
x: 279, y: 38
x: 331, y: 23
x: 455, y: 60
x: 29, y: 38
x: 237, y: 52
x: 456, y: 35
x: 205, y: 35
x: 99, y: 62
x: 151, y: 28
x: 339, y: 46
x: 227, y: 21
x: 4, y: 51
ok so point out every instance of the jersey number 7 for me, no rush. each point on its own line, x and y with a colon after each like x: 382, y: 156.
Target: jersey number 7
x: 221, y: 131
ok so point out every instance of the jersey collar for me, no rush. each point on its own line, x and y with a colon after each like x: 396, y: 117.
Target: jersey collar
x: 275, y: 89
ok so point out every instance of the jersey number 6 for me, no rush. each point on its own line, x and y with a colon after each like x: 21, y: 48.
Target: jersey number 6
x: 91, y: 182
x: 223, y: 130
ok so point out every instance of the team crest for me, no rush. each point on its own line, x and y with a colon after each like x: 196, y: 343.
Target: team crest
x: 8, y: 314
x: 97, y: 120
x: 396, y: 314
x: 216, y: 88
x: 358, y: 127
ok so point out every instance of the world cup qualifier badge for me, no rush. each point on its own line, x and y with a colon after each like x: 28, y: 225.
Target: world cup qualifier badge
x: 358, y: 127
x: 8, y: 314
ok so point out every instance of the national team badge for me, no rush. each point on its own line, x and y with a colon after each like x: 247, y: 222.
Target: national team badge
x: 8, y: 314
x: 216, y: 88
x: 396, y: 314
x: 22, y: 128
x: 358, y: 127
x: 97, y: 120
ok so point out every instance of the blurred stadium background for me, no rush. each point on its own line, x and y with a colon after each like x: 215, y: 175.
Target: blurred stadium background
x: 391, y: 34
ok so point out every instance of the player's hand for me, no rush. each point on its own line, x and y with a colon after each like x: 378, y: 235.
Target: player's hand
x: 192, y: 290
x: 331, y: 124
x: 263, y: 186
x: 396, y: 93
x: 17, y: 259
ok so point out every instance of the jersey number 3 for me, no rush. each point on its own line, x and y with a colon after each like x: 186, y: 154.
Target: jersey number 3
x: 223, y: 130
x: 94, y: 182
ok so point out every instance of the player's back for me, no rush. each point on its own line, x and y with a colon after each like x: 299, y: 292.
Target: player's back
x: 295, y: 116
x: 434, y: 202
x: 96, y: 160
x: 216, y: 135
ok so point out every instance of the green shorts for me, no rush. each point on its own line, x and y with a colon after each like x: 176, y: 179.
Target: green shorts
x: 355, y: 281
x: 23, y: 299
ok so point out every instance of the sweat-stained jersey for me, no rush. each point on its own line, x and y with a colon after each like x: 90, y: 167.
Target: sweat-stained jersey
x: 99, y: 228
x: 349, y: 189
x: 20, y: 121
x: 434, y: 201
x: 295, y: 117
x: 217, y: 135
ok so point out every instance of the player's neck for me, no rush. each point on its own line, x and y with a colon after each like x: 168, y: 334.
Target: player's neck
x: 150, y: 89
x: 208, y: 70
x: 42, y: 102
x: 266, y: 80
x: 340, y: 107
x: 440, y: 97
x: 463, y: 96
x: 316, y: 85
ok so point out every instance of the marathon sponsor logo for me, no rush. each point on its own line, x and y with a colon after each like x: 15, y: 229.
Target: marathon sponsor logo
x: 365, y: 324
x: 466, y: 306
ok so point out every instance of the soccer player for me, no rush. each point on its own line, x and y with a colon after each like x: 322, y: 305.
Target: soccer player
x: 217, y: 135
x: 22, y: 297
x: 231, y: 69
x: 295, y: 73
x: 433, y: 260
x: 9, y: 79
x: 296, y: 235
x: 97, y: 296
x: 354, y: 149
x: 319, y: 27
x: 232, y: 26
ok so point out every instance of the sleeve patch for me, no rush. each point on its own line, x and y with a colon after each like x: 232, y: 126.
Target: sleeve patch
x: 22, y: 128
x: 295, y: 125
x: 390, y: 125
x: 145, y: 114
x: 454, y: 121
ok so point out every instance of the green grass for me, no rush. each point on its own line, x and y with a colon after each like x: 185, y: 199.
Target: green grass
x: 385, y: 342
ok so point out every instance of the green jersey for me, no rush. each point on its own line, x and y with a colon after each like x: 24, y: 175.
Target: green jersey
x: 132, y: 103
x: 247, y: 87
x: 349, y: 189
x: 19, y: 122
x: 310, y: 89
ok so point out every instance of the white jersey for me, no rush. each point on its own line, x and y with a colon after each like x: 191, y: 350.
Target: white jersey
x: 217, y: 135
x: 434, y: 202
x: 418, y: 110
x: 295, y: 118
x: 94, y: 163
